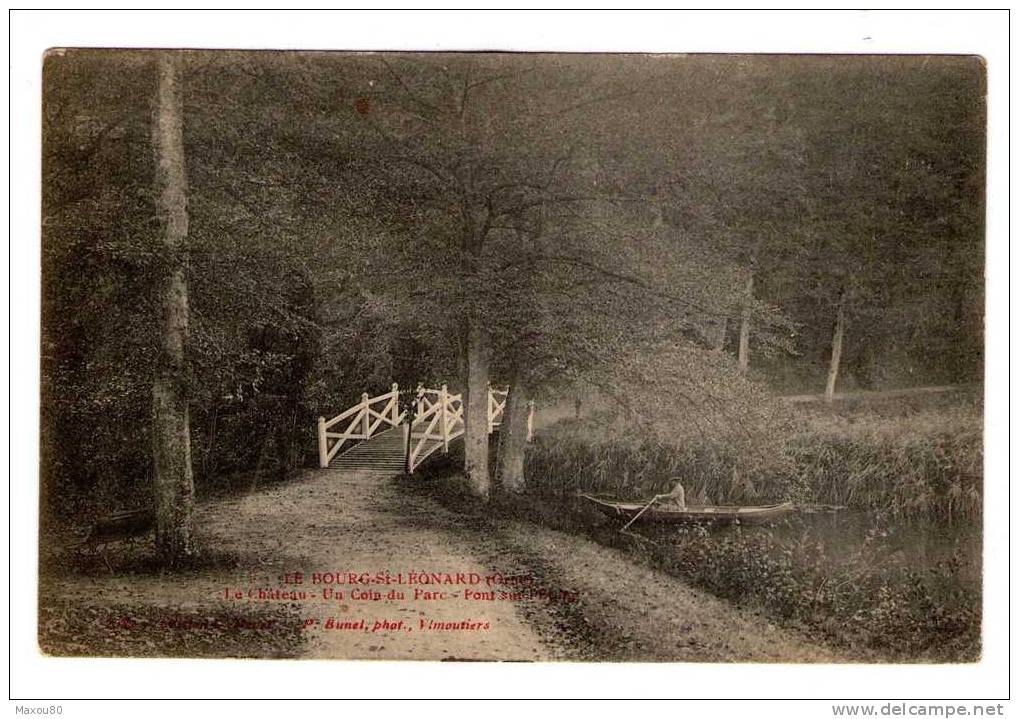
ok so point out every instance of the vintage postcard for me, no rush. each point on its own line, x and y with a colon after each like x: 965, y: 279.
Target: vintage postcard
x: 512, y: 356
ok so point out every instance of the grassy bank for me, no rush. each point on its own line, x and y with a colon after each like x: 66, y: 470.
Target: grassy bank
x: 865, y: 602
x: 913, y: 475
x: 924, y: 464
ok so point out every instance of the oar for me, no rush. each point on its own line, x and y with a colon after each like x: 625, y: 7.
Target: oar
x: 637, y: 515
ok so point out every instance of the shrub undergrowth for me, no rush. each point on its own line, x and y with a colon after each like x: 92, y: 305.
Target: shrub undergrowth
x: 929, y: 613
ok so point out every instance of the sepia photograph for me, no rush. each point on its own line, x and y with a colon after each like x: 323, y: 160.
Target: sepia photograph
x: 512, y: 357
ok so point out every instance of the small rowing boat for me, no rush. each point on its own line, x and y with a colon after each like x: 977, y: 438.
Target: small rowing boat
x: 691, y: 513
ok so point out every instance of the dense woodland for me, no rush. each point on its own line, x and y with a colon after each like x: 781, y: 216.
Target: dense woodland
x: 681, y: 235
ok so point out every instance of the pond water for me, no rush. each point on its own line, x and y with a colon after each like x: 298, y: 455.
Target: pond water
x: 897, y: 543
x: 886, y: 542
x: 843, y: 574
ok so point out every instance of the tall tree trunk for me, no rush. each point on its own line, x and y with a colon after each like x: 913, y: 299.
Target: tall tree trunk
x: 171, y: 440
x: 744, y: 326
x: 513, y: 438
x: 476, y: 410
x: 836, y: 348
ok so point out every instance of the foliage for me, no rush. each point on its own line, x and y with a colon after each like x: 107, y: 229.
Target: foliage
x: 347, y: 211
x: 252, y: 316
x: 927, y: 613
x: 924, y: 464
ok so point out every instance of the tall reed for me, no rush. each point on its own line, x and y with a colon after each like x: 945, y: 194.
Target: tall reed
x: 925, y: 465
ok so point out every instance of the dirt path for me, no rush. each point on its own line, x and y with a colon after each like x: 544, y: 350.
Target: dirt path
x: 879, y: 394
x: 349, y: 526
x: 331, y: 524
x: 579, y: 600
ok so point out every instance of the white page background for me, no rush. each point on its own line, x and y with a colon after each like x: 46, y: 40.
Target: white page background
x: 36, y: 676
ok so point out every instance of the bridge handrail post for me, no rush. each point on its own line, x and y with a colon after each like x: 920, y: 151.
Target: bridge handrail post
x: 366, y: 420
x: 444, y: 402
x: 323, y: 444
x: 396, y: 403
x: 408, y: 468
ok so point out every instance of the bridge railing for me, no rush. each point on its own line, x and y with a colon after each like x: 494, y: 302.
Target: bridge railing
x: 361, y: 421
x: 439, y: 419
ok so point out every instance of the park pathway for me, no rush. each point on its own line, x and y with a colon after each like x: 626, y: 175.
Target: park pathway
x: 356, y: 519
x: 345, y: 521
x: 365, y: 536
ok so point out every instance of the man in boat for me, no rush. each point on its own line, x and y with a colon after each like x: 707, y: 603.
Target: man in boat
x: 675, y: 499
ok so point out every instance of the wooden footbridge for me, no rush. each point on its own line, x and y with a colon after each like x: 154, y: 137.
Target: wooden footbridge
x: 375, y: 430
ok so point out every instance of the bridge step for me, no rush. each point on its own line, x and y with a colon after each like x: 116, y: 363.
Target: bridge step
x: 395, y: 467
x: 383, y: 453
x: 371, y: 460
x: 395, y: 456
